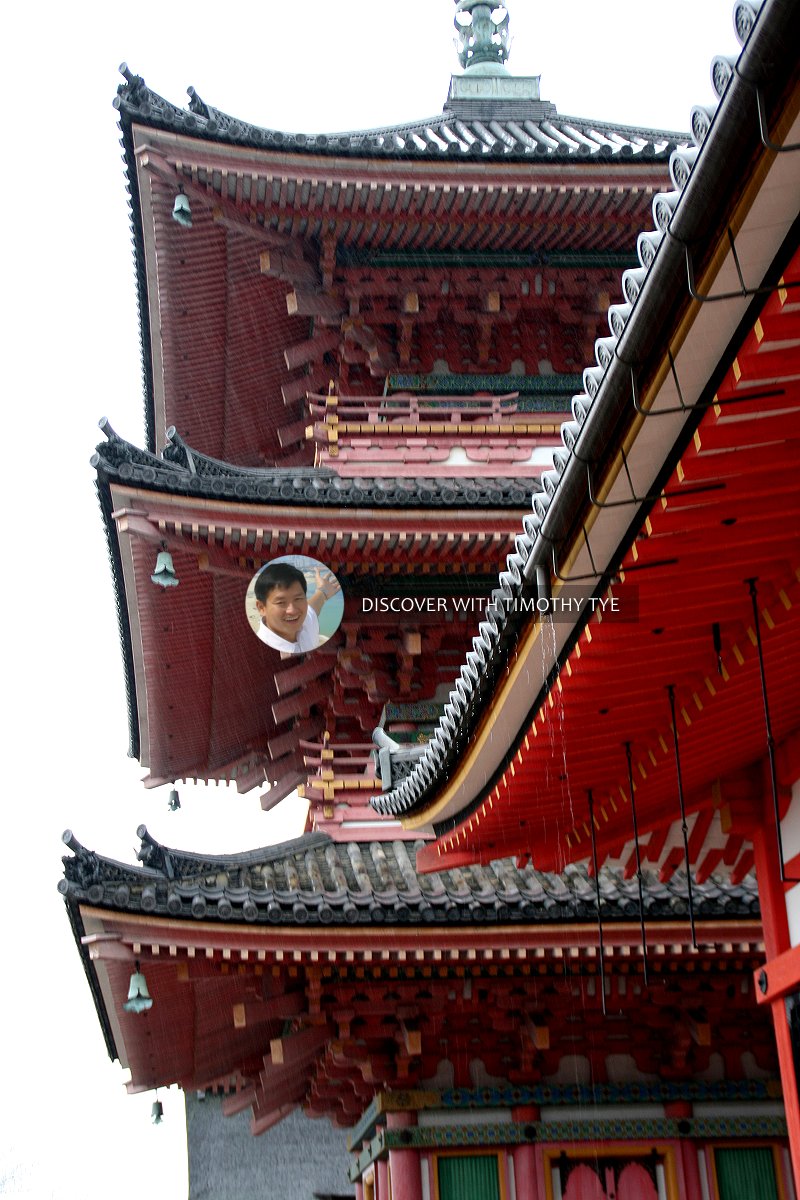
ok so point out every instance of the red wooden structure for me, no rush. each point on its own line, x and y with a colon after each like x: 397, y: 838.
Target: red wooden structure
x: 364, y: 348
x: 359, y: 348
x: 459, y: 1013
x: 675, y: 500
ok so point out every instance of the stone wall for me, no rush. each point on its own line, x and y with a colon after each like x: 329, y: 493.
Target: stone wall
x: 297, y: 1160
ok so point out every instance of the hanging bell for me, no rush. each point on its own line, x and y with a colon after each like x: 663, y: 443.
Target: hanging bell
x: 139, y: 999
x: 174, y: 802
x: 157, y: 1112
x: 182, y: 211
x: 164, y: 574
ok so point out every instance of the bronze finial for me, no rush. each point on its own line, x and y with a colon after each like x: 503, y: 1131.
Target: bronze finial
x: 483, y: 41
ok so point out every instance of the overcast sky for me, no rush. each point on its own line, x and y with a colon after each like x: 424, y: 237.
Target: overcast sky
x: 71, y: 355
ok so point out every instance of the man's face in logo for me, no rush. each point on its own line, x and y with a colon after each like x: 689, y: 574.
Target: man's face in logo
x: 284, y: 610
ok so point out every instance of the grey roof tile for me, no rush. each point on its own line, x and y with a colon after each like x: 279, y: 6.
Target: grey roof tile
x: 186, y: 472
x: 313, y: 880
x: 462, y: 711
x: 487, y: 125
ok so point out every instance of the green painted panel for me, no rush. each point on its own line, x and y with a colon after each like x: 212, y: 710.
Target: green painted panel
x: 746, y: 1174
x: 469, y: 1177
x: 497, y: 260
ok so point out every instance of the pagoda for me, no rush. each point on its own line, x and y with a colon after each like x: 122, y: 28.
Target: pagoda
x: 674, y: 497
x: 359, y: 348
x: 457, y: 1027
x: 368, y: 349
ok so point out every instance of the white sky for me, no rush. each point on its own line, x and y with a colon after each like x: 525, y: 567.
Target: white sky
x: 71, y: 355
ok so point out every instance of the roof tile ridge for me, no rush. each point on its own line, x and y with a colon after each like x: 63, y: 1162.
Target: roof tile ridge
x: 359, y: 871
x: 338, y: 877
x: 432, y: 885
x: 454, y: 142
x: 500, y: 130
x: 557, y: 132
x: 388, y: 887
x: 508, y: 887
x: 315, y: 875
x: 483, y: 888
x: 291, y: 886
x: 177, y: 449
x: 464, y: 130
x: 486, y: 135
x: 415, y: 126
x: 669, y: 135
x: 134, y: 98
x: 438, y: 140
x: 437, y: 758
x: 580, y: 884
x: 519, y: 133
x: 533, y: 128
x: 246, y: 858
x: 410, y: 879
x: 578, y: 136
x: 456, y: 884
x: 538, y: 886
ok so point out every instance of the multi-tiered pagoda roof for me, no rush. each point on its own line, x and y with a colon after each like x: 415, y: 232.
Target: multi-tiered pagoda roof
x: 363, y: 347
x: 359, y: 347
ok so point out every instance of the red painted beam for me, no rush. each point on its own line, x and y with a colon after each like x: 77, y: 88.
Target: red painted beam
x: 276, y: 1008
x: 778, y: 977
x: 311, y: 350
x: 299, y: 703
x: 315, y: 304
x: 264, y: 1121
x: 297, y: 1047
x: 231, y: 1105
x: 280, y: 790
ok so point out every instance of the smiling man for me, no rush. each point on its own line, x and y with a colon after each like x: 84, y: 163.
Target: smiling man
x: 289, y: 620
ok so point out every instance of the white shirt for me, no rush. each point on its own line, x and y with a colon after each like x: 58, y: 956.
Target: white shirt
x: 307, y: 638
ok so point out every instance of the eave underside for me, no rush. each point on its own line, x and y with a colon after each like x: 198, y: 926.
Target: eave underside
x: 729, y: 513
x: 284, y: 253
x: 714, y: 320
x: 277, y: 1022
x: 212, y: 701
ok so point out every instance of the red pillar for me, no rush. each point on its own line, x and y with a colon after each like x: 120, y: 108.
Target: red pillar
x: 404, y: 1165
x: 526, y: 1171
x: 691, y: 1170
x: 526, y: 1179
x: 688, y: 1162
x: 788, y: 1085
x: 776, y: 940
x: 771, y: 895
x: 359, y: 1190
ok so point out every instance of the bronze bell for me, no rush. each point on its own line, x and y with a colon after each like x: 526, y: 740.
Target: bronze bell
x: 139, y: 999
x: 164, y: 574
x: 182, y: 211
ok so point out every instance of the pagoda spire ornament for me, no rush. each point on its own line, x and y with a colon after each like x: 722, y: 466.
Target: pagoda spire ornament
x: 483, y: 41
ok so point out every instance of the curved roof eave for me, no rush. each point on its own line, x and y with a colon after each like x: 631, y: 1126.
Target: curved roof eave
x: 447, y: 138
x: 707, y: 198
x: 184, y: 472
x: 313, y: 880
x: 444, y: 134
